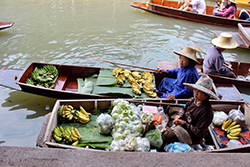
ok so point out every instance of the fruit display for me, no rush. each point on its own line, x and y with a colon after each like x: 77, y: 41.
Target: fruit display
x: 70, y: 114
x: 231, y: 129
x: 140, y: 81
x: 43, y: 77
x: 67, y: 135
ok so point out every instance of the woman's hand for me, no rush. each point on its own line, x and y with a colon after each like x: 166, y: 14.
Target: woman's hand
x: 178, y: 121
x: 162, y: 70
x: 171, y: 97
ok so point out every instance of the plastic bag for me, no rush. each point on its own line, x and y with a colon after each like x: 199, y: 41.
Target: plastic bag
x: 154, y: 136
x: 105, y: 123
x: 177, y: 147
x: 219, y: 117
x: 237, y: 115
x: 233, y: 143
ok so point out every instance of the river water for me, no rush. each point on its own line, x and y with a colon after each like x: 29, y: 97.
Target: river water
x: 73, y: 31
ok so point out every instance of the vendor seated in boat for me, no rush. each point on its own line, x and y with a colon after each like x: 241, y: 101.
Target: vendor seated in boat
x: 228, y: 12
x: 191, y: 123
x: 196, y: 6
x: 214, y: 62
x: 171, y: 88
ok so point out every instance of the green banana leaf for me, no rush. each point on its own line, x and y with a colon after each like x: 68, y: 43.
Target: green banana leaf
x: 84, y: 86
x: 90, y: 133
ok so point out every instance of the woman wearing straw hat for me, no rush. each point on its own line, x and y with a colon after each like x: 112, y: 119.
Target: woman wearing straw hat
x: 192, y: 121
x: 214, y: 62
x: 228, y: 12
x: 171, y: 88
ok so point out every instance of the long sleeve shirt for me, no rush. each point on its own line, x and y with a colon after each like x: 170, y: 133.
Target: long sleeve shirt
x: 227, y: 12
x: 184, y: 75
x: 213, y: 62
x: 197, y: 118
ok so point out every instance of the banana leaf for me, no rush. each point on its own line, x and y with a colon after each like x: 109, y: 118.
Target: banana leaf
x: 84, y: 86
x: 89, y: 132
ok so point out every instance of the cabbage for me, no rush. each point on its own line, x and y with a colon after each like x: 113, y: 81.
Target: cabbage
x: 154, y: 136
x: 219, y: 117
x: 105, y: 123
x: 147, y: 117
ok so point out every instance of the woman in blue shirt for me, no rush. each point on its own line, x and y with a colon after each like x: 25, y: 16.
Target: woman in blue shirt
x: 172, y: 87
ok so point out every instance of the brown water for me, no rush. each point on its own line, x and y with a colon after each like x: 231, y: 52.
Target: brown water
x: 71, y: 32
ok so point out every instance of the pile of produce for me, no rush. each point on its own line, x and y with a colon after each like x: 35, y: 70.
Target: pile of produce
x: 122, y: 128
x: 69, y: 113
x: 67, y: 136
x: 43, y: 77
x: 231, y: 123
x: 140, y: 81
x: 231, y: 129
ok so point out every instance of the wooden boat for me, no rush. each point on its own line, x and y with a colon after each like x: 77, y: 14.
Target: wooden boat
x: 171, y: 9
x: 243, y: 3
x: 242, y: 37
x: 66, y: 85
x: 241, y: 69
x: 4, y: 25
x: 51, y: 120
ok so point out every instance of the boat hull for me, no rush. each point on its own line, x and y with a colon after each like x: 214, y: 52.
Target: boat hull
x: 4, y: 25
x: 170, y: 9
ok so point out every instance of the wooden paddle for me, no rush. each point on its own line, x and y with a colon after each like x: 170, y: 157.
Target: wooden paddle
x: 150, y: 69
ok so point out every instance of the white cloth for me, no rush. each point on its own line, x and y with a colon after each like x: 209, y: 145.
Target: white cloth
x: 199, y: 5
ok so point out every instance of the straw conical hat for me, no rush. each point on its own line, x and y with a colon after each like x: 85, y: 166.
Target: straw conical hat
x: 225, y: 41
x: 204, y: 84
x: 234, y: 1
x: 189, y: 53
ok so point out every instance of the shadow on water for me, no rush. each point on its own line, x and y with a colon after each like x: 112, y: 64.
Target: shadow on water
x: 20, y: 100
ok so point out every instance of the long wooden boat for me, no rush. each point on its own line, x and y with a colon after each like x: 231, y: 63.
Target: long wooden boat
x: 4, y: 25
x: 243, y: 3
x: 51, y: 120
x: 171, y: 9
x: 66, y: 85
x: 242, y: 37
x: 241, y: 69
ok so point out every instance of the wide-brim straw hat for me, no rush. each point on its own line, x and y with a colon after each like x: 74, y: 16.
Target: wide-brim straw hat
x: 204, y: 84
x: 225, y: 41
x: 189, y: 53
x: 234, y: 1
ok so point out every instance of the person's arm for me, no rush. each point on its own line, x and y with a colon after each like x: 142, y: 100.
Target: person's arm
x: 226, y: 12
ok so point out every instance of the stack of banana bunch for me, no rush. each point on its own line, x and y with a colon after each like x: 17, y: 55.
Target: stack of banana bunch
x: 138, y: 80
x: 66, y: 135
x: 231, y: 130
x: 68, y: 112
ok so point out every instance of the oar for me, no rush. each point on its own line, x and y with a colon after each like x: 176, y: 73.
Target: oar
x: 150, y: 69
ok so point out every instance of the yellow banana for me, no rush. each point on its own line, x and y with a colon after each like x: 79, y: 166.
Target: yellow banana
x: 82, y: 110
x: 61, y: 129
x: 75, y: 143
x: 74, y: 134
x: 71, y: 107
x: 67, y: 131
x: 234, y: 134
x: 57, y: 131
x: 57, y: 138
x: 235, y: 127
x: 76, y: 131
x: 227, y: 123
x: 235, y: 130
x: 232, y: 124
x: 73, y: 138
x: 232, y: 137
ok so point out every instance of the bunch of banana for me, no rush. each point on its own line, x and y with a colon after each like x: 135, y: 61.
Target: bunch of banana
x: 136, y: 74
x: 149, y: 88
x: 231, y: 130
x: 136, y: 88
x: 131, y: 79
x: 57, y: 134
x: 67, y: 112
x: 117, y: 71
x: 121, y: 79
x: 75, y: 136
x: 147, y: 76
x: 82, y: 116
x: 126, y: 73
x: 67, y: 136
